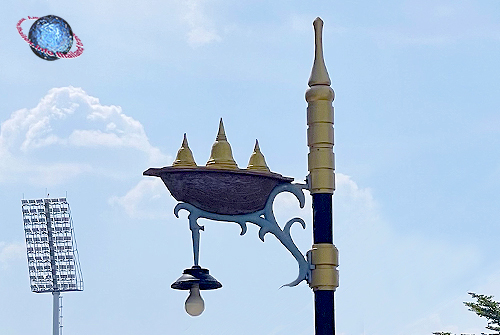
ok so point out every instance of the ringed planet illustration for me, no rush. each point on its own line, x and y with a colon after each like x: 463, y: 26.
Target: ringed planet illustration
x: 51, y: 37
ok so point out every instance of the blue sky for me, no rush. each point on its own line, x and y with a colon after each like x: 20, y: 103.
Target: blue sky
x: 417, y: 131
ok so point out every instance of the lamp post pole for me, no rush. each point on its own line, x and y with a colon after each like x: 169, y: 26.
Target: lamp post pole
x: 321, y: 180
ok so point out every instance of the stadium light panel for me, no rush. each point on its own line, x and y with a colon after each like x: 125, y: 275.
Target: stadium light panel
x: 51, y: 250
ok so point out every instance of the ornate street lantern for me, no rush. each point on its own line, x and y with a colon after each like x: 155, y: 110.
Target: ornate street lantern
x: 221, y: 191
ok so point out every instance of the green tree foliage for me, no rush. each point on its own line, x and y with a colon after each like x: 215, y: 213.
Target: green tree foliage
x: 487, y: 308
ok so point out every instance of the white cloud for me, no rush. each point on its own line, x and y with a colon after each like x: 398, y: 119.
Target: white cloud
x: 149, y: 199
x: 36, y: 125
x: 202, y: 30
x: 11, y: 252
x: 42, y: 142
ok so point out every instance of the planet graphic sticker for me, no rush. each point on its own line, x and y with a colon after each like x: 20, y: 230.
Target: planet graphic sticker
x: 50, y: 38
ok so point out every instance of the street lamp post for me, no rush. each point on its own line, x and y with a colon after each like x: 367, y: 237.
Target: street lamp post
x: 222, y: 191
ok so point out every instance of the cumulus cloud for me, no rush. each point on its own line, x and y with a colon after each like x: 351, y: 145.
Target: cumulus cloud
x: 40, y: 142
x: 34, y: 128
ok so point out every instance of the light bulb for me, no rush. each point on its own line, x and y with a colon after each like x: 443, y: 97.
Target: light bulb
x: 194, y: 303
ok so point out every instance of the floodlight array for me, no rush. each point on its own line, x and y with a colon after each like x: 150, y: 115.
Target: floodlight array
x: 51, y: 246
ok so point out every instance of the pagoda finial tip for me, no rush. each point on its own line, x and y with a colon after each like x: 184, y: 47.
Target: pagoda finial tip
x: 319, y: 74
x: 221, y: 135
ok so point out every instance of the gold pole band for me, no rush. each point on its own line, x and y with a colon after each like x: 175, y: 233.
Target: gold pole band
x: 324, y: 258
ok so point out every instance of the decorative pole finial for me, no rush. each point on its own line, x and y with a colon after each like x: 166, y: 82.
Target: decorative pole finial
x: 257, y: 161
x: 221, y: 156
x: 319, y: 74
x: 184, y: 157
x: 319, y: 99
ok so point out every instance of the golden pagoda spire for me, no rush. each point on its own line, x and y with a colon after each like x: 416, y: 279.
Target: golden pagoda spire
x: 257, y: 161
x: 184, y: 157
x: 221, y: 156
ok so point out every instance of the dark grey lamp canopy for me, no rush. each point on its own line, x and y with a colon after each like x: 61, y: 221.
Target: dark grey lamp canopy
x: 196, y: 275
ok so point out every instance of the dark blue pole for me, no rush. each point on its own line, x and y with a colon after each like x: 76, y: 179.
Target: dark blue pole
x: 323, y: 233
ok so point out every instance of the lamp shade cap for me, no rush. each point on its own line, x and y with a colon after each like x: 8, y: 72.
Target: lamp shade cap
x: 196, y: 275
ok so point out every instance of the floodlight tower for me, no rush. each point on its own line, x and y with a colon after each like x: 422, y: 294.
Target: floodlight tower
x: 52, y: 252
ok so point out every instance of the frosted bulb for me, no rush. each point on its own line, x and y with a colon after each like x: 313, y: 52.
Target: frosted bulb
x: 194, y: 303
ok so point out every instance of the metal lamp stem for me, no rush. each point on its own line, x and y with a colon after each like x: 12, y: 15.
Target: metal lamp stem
x: 195, y: 234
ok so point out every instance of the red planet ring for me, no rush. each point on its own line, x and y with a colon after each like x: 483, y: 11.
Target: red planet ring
x: 71, y: 54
